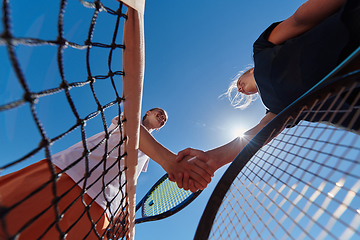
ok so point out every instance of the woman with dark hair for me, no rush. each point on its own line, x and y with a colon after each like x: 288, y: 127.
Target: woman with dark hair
x: 29, y: 194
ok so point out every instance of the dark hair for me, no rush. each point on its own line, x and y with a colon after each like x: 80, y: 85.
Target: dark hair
x: 144, y: 117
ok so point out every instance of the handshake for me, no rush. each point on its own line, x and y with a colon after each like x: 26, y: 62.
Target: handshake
x: 192, y: 169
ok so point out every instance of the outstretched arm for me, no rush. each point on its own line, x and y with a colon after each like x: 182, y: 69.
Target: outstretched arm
x: 224, y: 154
x: 201, y: 173
x: 306, y: 17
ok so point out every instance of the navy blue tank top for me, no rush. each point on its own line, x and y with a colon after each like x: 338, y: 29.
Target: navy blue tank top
x: 284, y: 72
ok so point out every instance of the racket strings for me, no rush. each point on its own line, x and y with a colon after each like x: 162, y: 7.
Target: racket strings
x: 317, y: 192
x: 305, y: 182
x: 165, y: 197
x: 277, y: 192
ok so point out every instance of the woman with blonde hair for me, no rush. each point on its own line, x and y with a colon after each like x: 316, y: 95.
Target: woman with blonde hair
x: 290, y: 57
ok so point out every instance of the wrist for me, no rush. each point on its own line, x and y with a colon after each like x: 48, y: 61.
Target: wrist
x: 167, y: 160
x: 213, y: 163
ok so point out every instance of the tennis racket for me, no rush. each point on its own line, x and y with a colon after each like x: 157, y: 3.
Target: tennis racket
x: 303, y: 184
x: 163, y: 200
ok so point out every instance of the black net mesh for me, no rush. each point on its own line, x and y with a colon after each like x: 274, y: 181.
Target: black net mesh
x: 60, y: 83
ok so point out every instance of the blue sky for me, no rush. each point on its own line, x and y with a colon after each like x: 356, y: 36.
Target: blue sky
x: 192, y: 48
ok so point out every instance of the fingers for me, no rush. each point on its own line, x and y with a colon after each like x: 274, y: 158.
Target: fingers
x: 201, y: 176
x: 179, y: 179
x: 182, y: 154
x: 200, y: 155
x: 206, y: 167
x: 201, y: 173
x: 171, y: 177
x: 199, y: 169
x: 190, y: 152
x: 192, y: 186
x: 199, y: 181
x: 186, y: 181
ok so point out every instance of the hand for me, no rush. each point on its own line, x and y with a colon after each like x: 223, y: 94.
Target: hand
x: 203, y: 165
x: 195, y: 173
x: 199, y: 173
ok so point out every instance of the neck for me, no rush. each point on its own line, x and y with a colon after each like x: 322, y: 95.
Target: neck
x: 147, y: 127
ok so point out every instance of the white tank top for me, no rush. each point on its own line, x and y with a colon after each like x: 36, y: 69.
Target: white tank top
x: 94, y: 183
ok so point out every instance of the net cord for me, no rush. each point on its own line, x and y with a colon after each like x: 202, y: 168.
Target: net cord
x: 134, y: 67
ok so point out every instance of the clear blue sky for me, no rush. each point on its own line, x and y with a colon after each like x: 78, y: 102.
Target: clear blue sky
x: 192, y: 50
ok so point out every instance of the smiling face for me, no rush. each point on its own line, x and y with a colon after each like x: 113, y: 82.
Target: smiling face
x: 155, y: 119
x: 246, y: 83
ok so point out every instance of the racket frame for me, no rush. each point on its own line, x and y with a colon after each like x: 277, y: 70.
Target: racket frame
x: 329, y: 84
x: 169, y: 212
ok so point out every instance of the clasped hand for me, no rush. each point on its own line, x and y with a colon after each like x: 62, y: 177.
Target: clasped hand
x: 196, y: 168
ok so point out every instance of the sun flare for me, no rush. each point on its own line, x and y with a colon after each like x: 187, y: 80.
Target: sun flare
x: 238, y: 132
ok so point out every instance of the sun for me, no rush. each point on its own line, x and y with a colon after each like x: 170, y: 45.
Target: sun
x: 238, y: 132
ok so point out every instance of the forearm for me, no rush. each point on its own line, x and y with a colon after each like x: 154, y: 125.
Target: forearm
x: 220, y: 156
x: 227, y: 153
x: 166, y: 159
x: 154, y: 149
